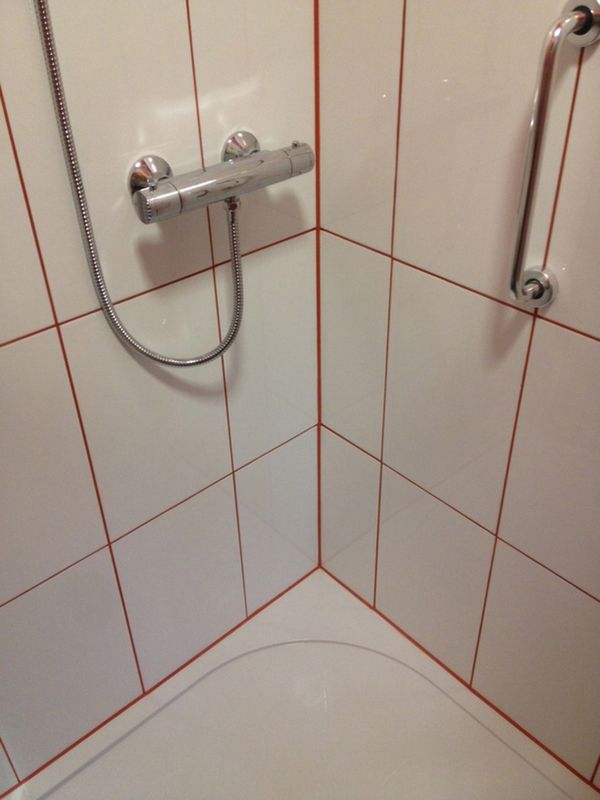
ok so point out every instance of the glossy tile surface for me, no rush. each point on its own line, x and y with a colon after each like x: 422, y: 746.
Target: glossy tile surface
x: 73, y: 669
x: 349, y: 495
x: 156, y: 435
x: 552, y: 504
x: 7, y: 776
x: 49, y: 514
x: 277, y: 501
x: 255, y: 72
x: 271, y: 368
x: 454, y: 372
x: 574, y: 251
x: 433, y: 568
x: 359, y: 73
x: 354, y: 298
x: 159, y: 119
x: 544, y: 631
x: 372, y: 717
x: 24, y: 76
x: 182, y: 580
x: 24, y: 305
x: 468, y: 86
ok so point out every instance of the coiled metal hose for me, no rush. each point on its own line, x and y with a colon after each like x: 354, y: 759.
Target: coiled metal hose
x: 87, y: 231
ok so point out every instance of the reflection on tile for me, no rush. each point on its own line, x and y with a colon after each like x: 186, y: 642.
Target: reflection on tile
x: 24, y: 305
x: 128, y: 122
x: 72, y: 670
x: 182, y: 580
x: 349, y: 493
x: 574, y: 252
x: 466, y: 101
x: 454, y: 372
x: 49, y: 514
x: 552, y: 502
x: 7, y: 776
x: 255, y: 72
x: 359, y: 72
x: 433, y: 568
x: 271, y: 368
x: 354, y: 298
x: 277, y: 501
x: 538, y: 657
x: 156, y: 435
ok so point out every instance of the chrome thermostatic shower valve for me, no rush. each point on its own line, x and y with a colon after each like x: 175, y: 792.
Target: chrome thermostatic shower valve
x: 245, y: 168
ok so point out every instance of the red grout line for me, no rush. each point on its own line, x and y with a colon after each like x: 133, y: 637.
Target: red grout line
x: 271, y: 244
x: 464, y: 683
x: 389, y: 307
x: 431, y: 273
x: 10, y: 761
x: 355, y: 241
x: 440, y: 500
x: 409, y: 480
x: 466, y: 288
x: 181, y: 278
x: 525, y: 368
x: 156, y: 516
x: 27, y: 335
x: 231, y: 458
x: 462, y: 514
x: 549, y: 569
x: 216, y: 296
x: 563, y: 159
x: 236, y: 627
x: 277, y: 446
x: 155, y: 686
x: 317, y: 92
x: 569, y: 328
x: 54, y: 575
x: 170, y: 508
x: 156, y: 288
x: 503, y: 495
x: 594, y: 773
x: 71, y: 383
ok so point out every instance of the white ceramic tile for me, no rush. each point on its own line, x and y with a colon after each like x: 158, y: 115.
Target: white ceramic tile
x: 67, y: 662
x: 466, y: 102
x: 133, y: 100
x: 271, y: 368
x: 157, y: 434
x: 24, y: 305
x: 277, y: 501
x: 359, y: 73
x: 7, y: 776
x: 347, y: 738
x: 539, y: 654
x: 574, y: 251
x: 49, y: 514
x: 349, y: 495
x: 182, y: 580
x: 354, y: 301
x: 255, y: 71
x: 432, y: 571
x: 454, y: 373
x: 552, y: 503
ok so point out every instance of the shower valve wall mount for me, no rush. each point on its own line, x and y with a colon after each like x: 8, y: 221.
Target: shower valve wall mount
x: 158, y: 195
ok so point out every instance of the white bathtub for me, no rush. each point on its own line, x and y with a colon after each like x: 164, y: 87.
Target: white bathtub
x: 316, y: 697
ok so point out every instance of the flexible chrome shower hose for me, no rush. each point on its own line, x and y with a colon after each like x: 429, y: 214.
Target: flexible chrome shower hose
x: 87, y: 231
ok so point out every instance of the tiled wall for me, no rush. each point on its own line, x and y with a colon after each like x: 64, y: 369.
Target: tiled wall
x: 461, y: 438
x: 146, y: 511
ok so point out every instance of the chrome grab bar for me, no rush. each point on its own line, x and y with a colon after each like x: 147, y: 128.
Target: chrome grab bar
x: 580, y: 24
